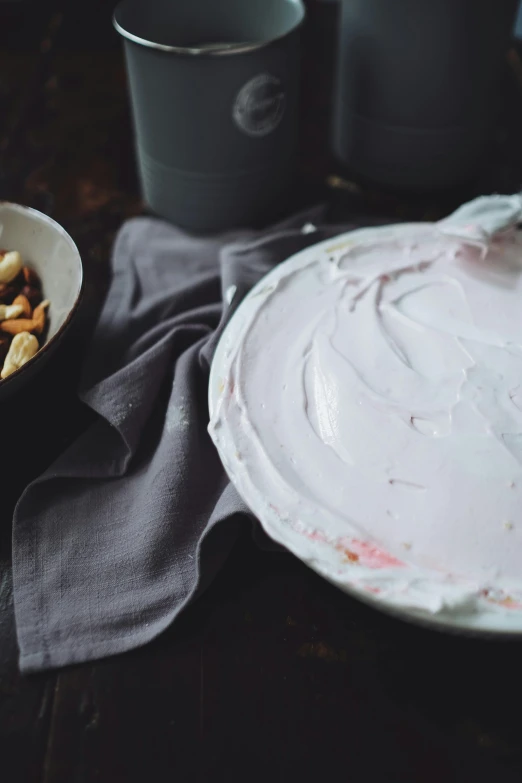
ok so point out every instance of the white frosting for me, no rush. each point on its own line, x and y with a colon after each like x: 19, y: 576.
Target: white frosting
x: 373, y: 405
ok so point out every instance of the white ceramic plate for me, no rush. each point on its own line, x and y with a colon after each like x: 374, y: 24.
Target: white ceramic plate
x: 492, y: 615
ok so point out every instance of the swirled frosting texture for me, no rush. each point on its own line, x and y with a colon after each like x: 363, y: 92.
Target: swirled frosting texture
x: 374, y: 404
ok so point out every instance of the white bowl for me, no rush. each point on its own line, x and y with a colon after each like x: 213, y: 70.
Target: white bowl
x: 48, y: 249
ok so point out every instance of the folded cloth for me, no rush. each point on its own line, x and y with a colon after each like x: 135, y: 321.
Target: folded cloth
x: 127, y: 525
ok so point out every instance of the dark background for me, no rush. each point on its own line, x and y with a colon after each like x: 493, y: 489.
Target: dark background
x: 273, y: 674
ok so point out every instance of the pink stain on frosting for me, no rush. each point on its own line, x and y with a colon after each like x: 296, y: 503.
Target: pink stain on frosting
x: 367, y: 555
x: 316, y: 535
x: 355, y: 551
x: 312, y: 535
x: 372, y: 589
x: 504, y: 600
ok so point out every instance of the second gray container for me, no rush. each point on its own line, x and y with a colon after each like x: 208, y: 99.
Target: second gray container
x: 416, y: 88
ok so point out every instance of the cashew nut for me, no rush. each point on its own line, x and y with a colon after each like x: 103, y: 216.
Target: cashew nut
x: 10, y: 311
x: 10, y: 266
x: 22, y: 301
x: 39, y: 316
x: 34, y: 324
x: 23, y: 347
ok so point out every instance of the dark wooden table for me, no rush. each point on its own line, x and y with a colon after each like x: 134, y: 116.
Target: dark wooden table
x: 273, y: 675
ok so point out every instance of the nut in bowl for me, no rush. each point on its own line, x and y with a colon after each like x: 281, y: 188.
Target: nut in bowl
x: 40, y: 285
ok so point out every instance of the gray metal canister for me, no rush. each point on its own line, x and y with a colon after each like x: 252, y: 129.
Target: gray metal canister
x: 415, y: 88
x: 214, y: 89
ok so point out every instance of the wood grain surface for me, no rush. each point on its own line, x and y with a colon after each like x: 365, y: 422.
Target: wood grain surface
x: 273, y: 675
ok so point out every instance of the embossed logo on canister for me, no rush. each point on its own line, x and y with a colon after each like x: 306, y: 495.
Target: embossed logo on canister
x: 259, y: 105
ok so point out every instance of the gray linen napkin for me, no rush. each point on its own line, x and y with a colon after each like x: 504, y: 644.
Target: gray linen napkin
x: 117, y: 536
